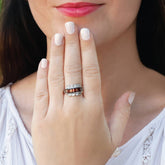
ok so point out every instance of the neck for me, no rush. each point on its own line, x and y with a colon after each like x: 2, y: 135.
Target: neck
x: 120, y: 67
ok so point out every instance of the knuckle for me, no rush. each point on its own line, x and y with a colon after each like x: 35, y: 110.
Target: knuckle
x: 72, y: 41
x: 56, y: 79
x: 41, y: 75
x: 90, y: 71
x: 40, y: 95
x: 125, y: 113
x: 86, y: 46
x: 70, y: 69
x: 128, y: 112
x: 38, y: 127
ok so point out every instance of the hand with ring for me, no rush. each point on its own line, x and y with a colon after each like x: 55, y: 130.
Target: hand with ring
x: 69, y: 125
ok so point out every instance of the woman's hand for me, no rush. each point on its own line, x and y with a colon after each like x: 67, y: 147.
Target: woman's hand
x: 69, y: 130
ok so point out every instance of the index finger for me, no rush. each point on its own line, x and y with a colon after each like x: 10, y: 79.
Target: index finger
x: 41, y: 91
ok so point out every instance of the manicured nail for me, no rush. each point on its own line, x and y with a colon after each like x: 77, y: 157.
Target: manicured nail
x: 70, y: 27
x: 131, y: 97
x: 85, y: 33
x: 58, y: 39
x: 44, y: 63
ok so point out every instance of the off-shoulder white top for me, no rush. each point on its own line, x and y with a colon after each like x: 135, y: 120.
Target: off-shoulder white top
x: 147, y: 147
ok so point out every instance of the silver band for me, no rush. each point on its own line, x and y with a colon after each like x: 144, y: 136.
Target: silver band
x: 73, y: 86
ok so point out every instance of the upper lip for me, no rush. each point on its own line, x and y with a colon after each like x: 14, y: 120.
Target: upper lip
x: 78, y: 4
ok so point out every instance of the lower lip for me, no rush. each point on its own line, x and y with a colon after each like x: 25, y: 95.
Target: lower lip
x: 78, y: 12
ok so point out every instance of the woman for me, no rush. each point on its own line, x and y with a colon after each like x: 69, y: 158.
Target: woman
x: 95, y: 127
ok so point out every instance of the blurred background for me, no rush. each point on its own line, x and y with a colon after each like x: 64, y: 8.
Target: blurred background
x: 0, y: 11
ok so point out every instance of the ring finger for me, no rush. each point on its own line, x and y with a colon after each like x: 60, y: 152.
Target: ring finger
x: 72, y: 64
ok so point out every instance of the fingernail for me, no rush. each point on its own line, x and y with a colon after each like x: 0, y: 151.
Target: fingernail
x: 85, y: 33
x: 44, y: 63
x: 58, y: 39
x: 131, y: 97
x: 70, y: 27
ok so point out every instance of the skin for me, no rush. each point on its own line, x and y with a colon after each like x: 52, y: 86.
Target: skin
x: 76, y: 124
x: 121, y: 70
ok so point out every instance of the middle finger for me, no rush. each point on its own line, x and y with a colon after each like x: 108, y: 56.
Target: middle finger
x: 72, y: 65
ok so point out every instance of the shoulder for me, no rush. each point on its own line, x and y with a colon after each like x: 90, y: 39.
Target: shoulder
x: 4, y: 109
x: 2, y: 91
x: 8, y: 127
x: 3, y: 97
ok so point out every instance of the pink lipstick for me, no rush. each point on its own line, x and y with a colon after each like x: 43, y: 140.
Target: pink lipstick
x: 78, y: 9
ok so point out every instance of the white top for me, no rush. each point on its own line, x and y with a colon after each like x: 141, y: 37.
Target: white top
x: 147, y: 147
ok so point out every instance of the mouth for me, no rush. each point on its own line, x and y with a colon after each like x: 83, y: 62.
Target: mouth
x: 78, y: 9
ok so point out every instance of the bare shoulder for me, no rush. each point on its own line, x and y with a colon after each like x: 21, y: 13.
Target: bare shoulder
x: 2, y: 94
x: 3, y: 104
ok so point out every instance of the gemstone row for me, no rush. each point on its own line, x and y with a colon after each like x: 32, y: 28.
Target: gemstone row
x: 72, y: 90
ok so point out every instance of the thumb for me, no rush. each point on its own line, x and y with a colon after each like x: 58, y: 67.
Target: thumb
x: 120, y: 116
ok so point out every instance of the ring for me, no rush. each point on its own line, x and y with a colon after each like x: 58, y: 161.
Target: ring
x: 73, y: 90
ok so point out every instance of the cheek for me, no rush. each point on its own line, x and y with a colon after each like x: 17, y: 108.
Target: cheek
x: 115, y: 19
x: 121, y: 15
x: 40, y: 10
